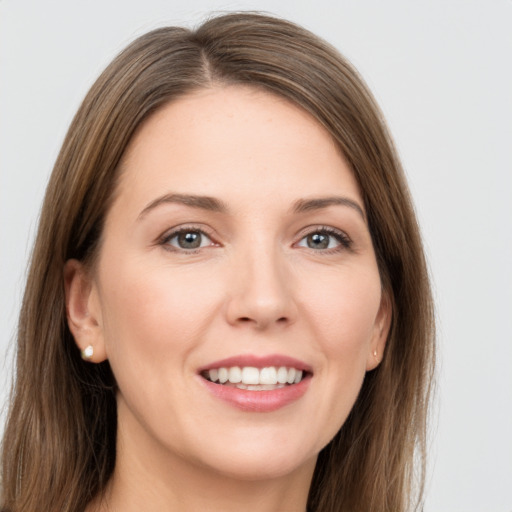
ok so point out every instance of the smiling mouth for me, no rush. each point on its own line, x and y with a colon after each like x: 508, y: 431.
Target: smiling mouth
x: 255, y: 379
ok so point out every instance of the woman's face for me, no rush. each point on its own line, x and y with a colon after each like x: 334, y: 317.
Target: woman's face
x: 237, y: 241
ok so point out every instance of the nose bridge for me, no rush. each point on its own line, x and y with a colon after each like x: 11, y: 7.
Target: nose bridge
x: 261, y: 292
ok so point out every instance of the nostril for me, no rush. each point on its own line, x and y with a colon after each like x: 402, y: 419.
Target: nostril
x: 246, y: 319
x: 262, y: 323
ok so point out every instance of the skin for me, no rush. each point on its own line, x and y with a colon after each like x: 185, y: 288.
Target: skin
x: 159, y: 312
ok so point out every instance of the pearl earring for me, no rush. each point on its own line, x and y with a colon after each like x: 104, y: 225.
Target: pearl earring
x: 374, y: 353
x: 87, y: 353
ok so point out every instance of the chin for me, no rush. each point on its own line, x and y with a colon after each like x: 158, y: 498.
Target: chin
x: 252, y: 458
x: 249, y: 468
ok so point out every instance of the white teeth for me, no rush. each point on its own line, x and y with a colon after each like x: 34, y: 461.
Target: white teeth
x: 259, y: 387
x: 282, y: 375
x: 213, y: 374
x: 252, y: 378
x: 268, y: 375
x: 250, y: 375
x: 235, y: 375
x: 223, y: 375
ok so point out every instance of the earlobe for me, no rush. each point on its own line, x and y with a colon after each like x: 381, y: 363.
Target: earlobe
x: 83, y: 311
x: 380, y: 334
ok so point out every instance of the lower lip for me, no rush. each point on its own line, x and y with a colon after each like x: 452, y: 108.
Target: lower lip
x: 259, y: 401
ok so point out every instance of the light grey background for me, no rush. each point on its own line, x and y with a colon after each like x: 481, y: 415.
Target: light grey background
x: 442, y: 73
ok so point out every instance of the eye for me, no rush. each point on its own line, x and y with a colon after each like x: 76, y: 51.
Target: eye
x: 187, y: 239
x: 325, y: 239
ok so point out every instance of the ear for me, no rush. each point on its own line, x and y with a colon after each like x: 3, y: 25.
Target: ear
x: 83, y: 310
x: 380, y: 332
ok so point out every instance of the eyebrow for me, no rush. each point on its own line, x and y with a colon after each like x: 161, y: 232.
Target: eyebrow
x: 306, y: 205
x: 202, y: 202
x: 215, y: 205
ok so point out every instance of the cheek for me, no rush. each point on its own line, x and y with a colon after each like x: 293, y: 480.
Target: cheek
x: 154, y: 318
x: 150, y: 313
x: 343, y: 313
x: 343, y: 310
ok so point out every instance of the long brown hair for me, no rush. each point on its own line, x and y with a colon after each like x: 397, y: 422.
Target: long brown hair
x: 59, y: 444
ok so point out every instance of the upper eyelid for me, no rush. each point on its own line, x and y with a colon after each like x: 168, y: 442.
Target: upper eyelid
x: 171, y: 232
x: 319, y: 228
x: 177, y: 232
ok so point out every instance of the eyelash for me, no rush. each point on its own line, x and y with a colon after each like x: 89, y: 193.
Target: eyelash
x: 345, y: 243
x: 165, y: 240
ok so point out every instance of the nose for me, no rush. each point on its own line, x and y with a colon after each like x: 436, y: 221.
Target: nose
x: 260, y: 291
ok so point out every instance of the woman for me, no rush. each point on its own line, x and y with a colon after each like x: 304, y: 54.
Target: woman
x: 228, y: 304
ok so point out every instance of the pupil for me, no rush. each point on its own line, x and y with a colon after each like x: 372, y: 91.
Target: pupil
x: 318, y: 241
x: 189, y: 240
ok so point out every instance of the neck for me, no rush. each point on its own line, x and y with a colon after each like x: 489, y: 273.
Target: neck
x: 199, y: 492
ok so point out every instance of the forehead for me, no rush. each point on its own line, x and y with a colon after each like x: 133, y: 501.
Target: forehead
x: 230, y: 140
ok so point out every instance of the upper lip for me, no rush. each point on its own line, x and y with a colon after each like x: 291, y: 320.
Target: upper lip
x: 258, y: 362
